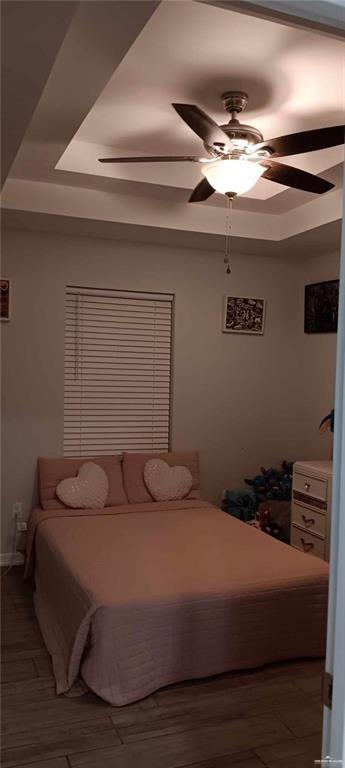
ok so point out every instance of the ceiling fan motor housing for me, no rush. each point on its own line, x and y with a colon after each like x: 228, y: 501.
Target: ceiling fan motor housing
x: 236, y: 130
x: 246, y: 135
x: 235, y: 102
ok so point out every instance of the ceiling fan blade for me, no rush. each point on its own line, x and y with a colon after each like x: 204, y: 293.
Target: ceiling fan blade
x: 294, y: 177
x: 202, y: 191
x: 157, y: 159
x: 203, y: 126
x: 305, y: 141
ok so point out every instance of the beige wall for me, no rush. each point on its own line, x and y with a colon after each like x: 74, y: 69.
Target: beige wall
x: 318, y: 354
x: 242, y: 400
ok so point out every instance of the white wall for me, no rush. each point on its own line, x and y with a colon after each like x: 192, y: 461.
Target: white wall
x: 240, y: 399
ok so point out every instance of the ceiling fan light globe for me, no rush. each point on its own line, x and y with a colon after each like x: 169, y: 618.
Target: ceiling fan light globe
x: 234, y: 176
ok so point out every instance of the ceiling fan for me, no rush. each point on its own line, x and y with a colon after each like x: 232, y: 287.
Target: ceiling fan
x: 239, y: 156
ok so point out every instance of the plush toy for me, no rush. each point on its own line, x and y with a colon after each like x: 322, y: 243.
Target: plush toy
x: 240, y: 504
x: 272, y: 483
x: 267, y: 525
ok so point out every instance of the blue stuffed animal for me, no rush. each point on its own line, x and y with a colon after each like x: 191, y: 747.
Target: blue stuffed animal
x: 272, y: 483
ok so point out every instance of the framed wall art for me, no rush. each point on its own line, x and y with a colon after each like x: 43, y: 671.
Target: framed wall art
x: 321, y: 307
x: 5, y: 298
x: 242, y: 314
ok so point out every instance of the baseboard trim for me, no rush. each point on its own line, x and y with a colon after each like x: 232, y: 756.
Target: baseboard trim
x: 8, y: 558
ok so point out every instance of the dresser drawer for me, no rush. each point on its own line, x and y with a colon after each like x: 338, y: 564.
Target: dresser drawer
x: 311, y: 521
x: 306, y: 542
x: 311, y: 486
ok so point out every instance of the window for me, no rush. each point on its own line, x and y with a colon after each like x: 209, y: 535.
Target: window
x: 118, y: 348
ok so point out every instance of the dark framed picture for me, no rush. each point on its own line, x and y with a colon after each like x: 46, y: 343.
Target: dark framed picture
x: 243, y: 315
x: 5, y: 297
x: 321, y: 307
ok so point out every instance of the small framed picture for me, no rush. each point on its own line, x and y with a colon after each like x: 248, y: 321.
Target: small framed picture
x: 242, y: 314
x: 5, y: 298
x: 321, y: 307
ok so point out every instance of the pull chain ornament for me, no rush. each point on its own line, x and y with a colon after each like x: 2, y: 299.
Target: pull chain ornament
x: 228, y: 228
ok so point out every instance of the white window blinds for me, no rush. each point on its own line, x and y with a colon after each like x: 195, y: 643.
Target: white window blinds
x: 118, y: 349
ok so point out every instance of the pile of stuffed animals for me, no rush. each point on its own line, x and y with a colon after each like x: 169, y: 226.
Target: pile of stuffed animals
x: 253, y: 505
x: 273, y: 484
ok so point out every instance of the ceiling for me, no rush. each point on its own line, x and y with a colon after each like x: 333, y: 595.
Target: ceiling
x: 109, y: 90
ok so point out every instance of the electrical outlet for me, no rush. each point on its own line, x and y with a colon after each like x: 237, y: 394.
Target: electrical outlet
x: 21, y: 526
x: 17, y: 510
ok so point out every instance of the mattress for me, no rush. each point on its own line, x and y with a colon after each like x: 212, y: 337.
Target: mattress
x: 144, y: 595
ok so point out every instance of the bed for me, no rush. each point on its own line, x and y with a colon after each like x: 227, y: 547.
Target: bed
x: 142, y: 595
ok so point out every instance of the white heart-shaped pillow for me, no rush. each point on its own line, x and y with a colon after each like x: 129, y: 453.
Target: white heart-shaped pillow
x: 167, y: 483
x: 89, y: 490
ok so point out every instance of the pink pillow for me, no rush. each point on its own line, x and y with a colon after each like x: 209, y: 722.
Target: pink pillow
x: 133, y: 473
x: 52, y: 471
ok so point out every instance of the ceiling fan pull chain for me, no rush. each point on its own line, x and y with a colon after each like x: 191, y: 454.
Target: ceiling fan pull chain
x: 228, y: 228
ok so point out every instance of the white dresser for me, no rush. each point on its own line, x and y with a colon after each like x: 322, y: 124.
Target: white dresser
x: 311, y: 507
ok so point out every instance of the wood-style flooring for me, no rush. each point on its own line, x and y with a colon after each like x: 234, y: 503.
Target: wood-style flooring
x: 269, y: 717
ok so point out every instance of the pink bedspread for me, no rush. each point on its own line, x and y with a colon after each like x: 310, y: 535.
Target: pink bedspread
x: 144, y: 595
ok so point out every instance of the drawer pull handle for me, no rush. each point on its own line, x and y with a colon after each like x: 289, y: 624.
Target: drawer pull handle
x: 307, y: 486
x: 308, y: 521
x: 307, y: 545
